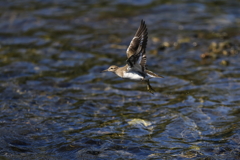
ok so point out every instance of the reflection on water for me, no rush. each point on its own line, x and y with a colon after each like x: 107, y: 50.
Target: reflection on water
x: 55, y: 103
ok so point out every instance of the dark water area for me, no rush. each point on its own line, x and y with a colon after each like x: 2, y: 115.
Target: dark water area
x: 56, y: 104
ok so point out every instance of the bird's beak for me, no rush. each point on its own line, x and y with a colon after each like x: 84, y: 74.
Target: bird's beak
x: 105, y: 70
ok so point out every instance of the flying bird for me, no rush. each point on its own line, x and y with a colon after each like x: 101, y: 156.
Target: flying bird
x: 135, y: 68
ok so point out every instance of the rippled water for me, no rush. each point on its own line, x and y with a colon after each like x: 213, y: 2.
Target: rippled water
x: 55, y: 103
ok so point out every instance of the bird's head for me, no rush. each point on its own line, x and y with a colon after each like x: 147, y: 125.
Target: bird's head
x: 112, y: 68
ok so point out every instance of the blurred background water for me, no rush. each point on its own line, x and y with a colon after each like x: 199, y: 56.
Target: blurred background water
x: 55, y: 103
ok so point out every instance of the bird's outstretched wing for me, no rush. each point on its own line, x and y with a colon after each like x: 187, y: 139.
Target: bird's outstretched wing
x: 137, y: 47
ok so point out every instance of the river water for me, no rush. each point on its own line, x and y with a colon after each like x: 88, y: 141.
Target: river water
x: 56, y: 104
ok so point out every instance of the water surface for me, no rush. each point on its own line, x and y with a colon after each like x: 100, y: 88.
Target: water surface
x: 56, y: 104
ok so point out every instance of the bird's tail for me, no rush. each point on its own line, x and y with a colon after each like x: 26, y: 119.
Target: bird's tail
x: 151, y: 74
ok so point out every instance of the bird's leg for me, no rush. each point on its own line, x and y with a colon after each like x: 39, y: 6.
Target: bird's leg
x: 149, y: 87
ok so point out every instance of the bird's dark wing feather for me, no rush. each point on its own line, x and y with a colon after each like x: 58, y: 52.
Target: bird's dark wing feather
x: 137, y: 47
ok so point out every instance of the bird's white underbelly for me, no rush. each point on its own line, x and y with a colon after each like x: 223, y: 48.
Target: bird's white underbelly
x: 134, y: 76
